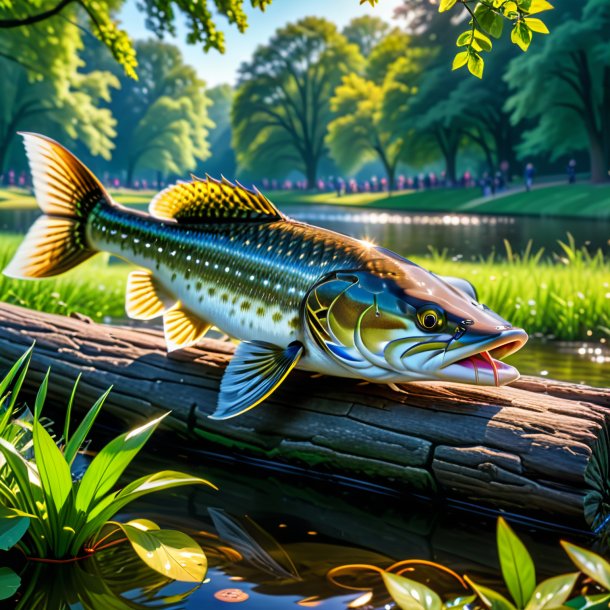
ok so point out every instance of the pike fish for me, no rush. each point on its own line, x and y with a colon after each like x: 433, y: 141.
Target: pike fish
x: 212, y: 253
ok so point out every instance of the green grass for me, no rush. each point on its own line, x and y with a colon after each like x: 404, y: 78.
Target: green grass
x: 568, y: 298
x: 582, y: 200
x: 433, y: 201
x: 95, y: 289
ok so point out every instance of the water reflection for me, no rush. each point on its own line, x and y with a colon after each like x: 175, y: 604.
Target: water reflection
x: 467, y: 234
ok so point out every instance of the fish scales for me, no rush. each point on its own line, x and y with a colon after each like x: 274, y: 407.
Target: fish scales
x: 249, y: 279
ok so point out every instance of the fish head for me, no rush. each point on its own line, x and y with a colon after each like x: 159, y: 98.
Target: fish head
x: 395, y: 321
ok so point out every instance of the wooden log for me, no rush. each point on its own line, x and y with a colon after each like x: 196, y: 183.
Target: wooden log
x: 537, y: 448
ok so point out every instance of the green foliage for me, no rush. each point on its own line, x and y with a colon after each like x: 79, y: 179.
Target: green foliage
x: 366, y: 32
x: 282, y: 105
x: 357, y: 135
x: 487, y: 19
x: 563, y: 84
x: 47, y: 514
x: 46, y: 88
x: 163, y: 116
x: 222, y: 156
x: 161, y: 18
x: 518, y: 572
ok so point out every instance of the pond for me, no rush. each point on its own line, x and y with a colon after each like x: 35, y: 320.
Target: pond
x: 272, y: 537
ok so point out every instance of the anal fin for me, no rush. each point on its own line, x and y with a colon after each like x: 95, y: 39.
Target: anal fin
x: 255, y: 371
x: 145, y: 298
x: 182, y: 328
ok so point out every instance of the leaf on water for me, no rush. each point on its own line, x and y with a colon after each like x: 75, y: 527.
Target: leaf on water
x: 517, y: 565
x: 169, y: 552
x: 492, y: 599
x: 411, y: 595
x: 589, y: 563
x: 9, y: 583
x: 553, y: 592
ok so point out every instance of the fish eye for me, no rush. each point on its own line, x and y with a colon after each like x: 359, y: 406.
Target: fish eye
x: 430, y: 318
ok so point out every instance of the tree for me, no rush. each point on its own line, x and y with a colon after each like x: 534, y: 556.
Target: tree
x: 52, y: 93
x: 161, y: 17
x: 565, y: 83
x: 162, y: 117
x: 390, y: 48
x: 357, y: 135
x: 366, y: 32
x: 282, y: 105
x: 222, y: 156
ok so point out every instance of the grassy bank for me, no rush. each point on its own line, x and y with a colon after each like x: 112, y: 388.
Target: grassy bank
x: 582, y: 200
x: 568, y: 299
x: 95, y: 289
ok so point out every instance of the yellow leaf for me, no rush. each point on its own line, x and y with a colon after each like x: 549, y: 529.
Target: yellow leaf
x: 476, y: 65
x: 539, y: 6
x: 536, y: 25
x: 171, y: 553
x: 460, y: 60
x: 446, y: 5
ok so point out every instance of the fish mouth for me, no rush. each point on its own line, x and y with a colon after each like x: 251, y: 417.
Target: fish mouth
x: 481, y: 363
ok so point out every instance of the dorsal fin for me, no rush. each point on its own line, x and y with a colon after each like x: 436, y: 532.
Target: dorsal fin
x: 212, y: 200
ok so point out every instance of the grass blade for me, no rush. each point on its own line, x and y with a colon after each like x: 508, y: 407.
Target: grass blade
x: 69, y: 411
x: 80, y: 434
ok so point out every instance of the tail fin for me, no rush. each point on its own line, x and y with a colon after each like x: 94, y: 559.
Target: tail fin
x: 66, y: 192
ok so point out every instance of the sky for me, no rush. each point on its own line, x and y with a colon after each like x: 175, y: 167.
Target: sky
x: 216, y: 68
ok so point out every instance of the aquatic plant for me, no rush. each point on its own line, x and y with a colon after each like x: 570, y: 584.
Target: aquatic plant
x: 48, y: 515
x: 570, y: 590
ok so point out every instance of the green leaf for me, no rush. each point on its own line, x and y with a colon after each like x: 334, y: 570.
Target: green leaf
x: 80, y: 434
x: 41, y: 396
x: 26, y: 476
x: 484, y: 42
x: 12, y: 529
x: 589, y: 602
x: 536, y: 25
x: 21, y: 367
x: 521, y: 35
x: 110, y: 463
x: 517, y: 565
x: 9, y: 583
x: 492, y: 599
x: 490, y: 21
x: 464, y: 39
x: 589, y: 563
x: 476, y: 64
x: 171, y: 553
x: 446, y: 5
x: 553, y: 592
x: 69, y: 412
x: 460, y: 60
x: 110, y: 505
x: 409, y: 594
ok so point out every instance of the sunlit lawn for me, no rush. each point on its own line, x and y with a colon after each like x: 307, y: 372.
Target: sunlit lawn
x: 583, y: 200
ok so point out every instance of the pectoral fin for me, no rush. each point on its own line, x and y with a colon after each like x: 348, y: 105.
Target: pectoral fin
x: 145, y: 298
x: 182, y: 328
x: 255, y: 371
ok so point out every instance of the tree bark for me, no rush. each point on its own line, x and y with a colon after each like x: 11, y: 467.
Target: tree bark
x: 537, y: 448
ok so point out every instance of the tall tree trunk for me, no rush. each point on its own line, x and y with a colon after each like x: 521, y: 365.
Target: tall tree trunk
x: 598, y: 158
x: 131, y: 166
x: 451, y: 164
x: 311, y: 173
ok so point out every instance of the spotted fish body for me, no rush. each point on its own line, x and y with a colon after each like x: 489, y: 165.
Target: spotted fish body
x: 214, y: 253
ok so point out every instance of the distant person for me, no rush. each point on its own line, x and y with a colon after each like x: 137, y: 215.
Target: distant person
x: 572, y: 171
x: 529, y: 176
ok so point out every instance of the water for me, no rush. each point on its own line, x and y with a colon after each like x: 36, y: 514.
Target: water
x: 274, y: 537
x: 468, y: 235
